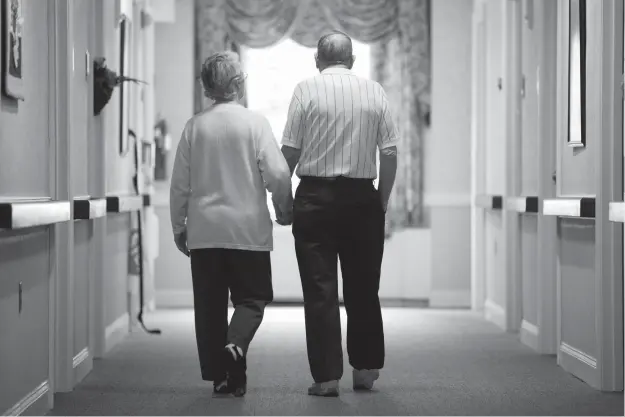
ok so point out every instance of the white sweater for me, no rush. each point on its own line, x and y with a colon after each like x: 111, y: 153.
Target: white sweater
x: 226, y: 158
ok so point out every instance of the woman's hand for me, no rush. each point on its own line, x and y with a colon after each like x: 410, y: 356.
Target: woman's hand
x: 181, y: 242
x: 282, y: 218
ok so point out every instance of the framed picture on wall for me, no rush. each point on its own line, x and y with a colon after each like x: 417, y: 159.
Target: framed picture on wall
x: 577, y: 74
x: 12, y: 49
x: 124, y: 96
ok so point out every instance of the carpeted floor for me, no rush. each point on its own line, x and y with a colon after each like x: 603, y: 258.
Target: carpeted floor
x: 438, y: 363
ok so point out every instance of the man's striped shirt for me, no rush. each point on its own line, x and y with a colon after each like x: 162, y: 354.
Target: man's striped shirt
x: 339, y: 120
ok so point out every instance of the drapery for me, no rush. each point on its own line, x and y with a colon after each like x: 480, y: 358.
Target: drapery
x: 261, y: 23
x: 402, y: 66
x: 398, y: 32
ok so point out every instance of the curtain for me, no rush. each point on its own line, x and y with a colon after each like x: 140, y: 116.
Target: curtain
x: 402, y: 66
x: 399, y: 33
x: 261, y: 23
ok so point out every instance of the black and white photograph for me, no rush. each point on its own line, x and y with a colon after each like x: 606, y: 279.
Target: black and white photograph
x: 13, y: 82
x: 313, y: 208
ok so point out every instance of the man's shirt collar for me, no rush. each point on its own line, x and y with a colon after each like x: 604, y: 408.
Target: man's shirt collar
x: 336, y: 70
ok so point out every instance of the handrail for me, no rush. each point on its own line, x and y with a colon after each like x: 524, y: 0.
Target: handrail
x: 489, y: 201
x: 24, y: 214
x: 89, y: 208
x: 617, y: 211
x: 583, y: 207
x: 523, y: 204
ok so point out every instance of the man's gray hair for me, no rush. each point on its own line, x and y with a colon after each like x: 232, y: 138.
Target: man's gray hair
x: 222, y: 76
x: 334, y: 48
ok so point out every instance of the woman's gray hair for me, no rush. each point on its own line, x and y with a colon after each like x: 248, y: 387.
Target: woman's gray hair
x: 222, y: 76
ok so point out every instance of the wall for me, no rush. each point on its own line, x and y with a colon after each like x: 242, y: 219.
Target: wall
x: 119, y: 173
x: 174, y: 62
x: 25, y: 167
x: 83, y: 175
x: 558, y: 273
x: 531, y: 37
x: 495, y: 157
x: 447, y: 161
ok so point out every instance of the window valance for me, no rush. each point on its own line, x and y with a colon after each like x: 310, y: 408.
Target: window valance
x: 261, y: 23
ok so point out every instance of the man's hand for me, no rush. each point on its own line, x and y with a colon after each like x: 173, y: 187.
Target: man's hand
x: 181, y: 242
x: 283, y: 218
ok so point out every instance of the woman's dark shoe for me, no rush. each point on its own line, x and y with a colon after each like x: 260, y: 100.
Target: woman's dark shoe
x: 221, y: 388
x: 237, y: 368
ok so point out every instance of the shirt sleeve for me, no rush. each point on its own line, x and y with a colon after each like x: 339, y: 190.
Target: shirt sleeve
x: 387, y: 131
x: 180, y: 188
x: 294, y: 128
x: 272, y: 165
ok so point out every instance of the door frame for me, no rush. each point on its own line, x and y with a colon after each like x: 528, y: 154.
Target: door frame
x: 52, y: 133
x: 609, y: 185
x: 478, y: 141
x: 547, y: 20
x: 512, y: 85
x: 63, y: 325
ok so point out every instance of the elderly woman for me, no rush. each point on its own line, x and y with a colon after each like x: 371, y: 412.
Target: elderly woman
x: 226, y: 160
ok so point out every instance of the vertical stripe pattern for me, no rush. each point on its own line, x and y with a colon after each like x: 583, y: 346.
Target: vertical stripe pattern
x: 338, y: 120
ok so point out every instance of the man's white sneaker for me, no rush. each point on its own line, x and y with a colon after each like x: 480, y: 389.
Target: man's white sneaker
x: 364, y: 378
x: 324, y: 389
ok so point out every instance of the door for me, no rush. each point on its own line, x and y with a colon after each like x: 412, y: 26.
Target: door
x: 73, y: 333
x: 512, y: 220
x: 546, y: 20
x: 528, y: 181
x: 478, y: 248
x: 80, y: 15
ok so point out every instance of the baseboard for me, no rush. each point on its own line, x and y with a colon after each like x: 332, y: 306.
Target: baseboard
x: 36, y: 402
x: 82, y: 366
x: 80, y: 357
x: 495, y: 314
x: 116, y: 332
x: 529, y: 334
x: 580, y: 364
x: 447, y: 200
x: 450, y: 298
x: 404, y: 302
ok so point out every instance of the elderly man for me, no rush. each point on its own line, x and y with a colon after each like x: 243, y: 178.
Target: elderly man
x: 336, y: 123
x: 226, y: 158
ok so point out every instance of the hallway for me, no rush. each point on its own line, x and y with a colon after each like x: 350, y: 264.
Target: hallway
x: 439, y: 362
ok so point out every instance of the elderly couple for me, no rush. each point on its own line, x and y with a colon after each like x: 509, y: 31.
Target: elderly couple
x: 227, y: 159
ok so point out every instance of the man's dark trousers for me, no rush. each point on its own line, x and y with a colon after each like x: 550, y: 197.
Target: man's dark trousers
x: 246, y: 275
x: 340, y: 218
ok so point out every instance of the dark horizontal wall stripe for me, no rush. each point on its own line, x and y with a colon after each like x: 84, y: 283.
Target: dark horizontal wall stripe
x: 86, y: 209
x: 523, y: 204
x: 124, y: 203
x: 587, y: 208
x: 492, y: 202
x: 531, y: 204
x: 497, y: 202
x: 32, y: 214
x: 81, y: 209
